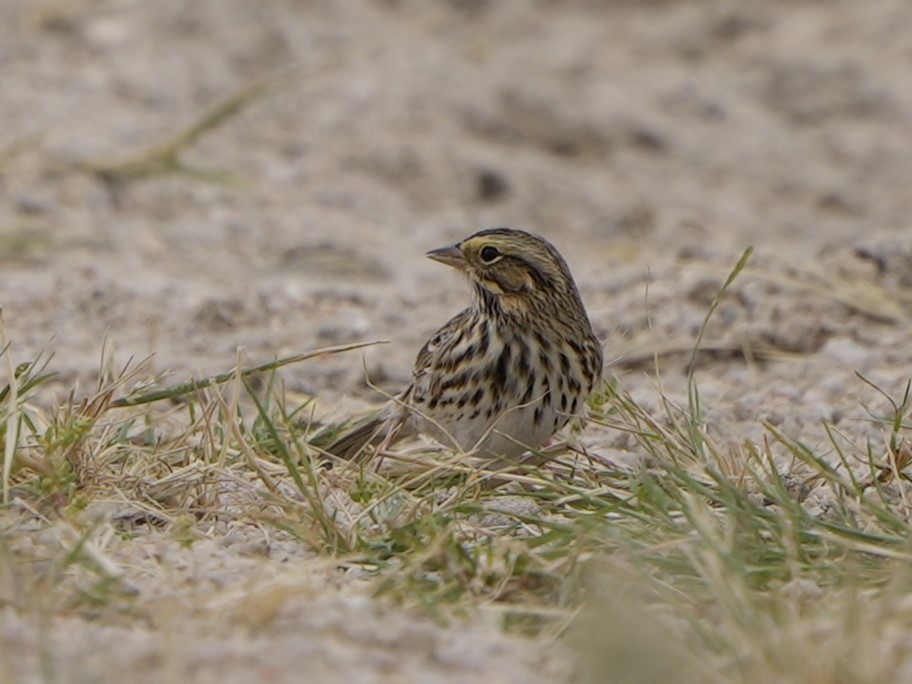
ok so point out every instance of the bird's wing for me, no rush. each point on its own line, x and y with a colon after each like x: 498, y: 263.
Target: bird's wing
x: 438, y: 341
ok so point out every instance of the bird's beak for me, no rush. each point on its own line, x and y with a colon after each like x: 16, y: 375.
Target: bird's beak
x: 451, y: 256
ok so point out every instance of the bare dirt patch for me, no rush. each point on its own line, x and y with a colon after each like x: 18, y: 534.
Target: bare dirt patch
x: 651, y: 142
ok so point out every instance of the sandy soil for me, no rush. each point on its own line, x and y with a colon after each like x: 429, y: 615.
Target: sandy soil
x: 652, y: 142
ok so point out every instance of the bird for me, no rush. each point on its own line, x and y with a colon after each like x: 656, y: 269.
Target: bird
x: 505, y: 374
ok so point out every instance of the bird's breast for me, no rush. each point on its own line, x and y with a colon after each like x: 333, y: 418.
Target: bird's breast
x: 498, y: 392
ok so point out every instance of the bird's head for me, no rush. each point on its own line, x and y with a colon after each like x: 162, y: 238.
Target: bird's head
x: 512, y: 265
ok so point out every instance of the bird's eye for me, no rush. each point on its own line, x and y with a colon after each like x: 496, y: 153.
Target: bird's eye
x: 489, y: 254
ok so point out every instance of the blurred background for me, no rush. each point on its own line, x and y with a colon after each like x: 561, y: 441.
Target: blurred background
x: 187, y: 177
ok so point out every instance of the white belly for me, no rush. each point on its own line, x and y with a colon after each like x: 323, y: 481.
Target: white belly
x: 507, y: 434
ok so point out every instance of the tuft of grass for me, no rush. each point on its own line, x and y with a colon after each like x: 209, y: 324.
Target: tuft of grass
x: 755, y: 562
x: 164, y: 158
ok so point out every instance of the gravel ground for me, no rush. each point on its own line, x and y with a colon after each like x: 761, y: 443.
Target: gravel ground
x: 652, y: 142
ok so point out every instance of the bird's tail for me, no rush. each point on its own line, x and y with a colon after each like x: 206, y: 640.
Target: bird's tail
x: 352, y: 445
